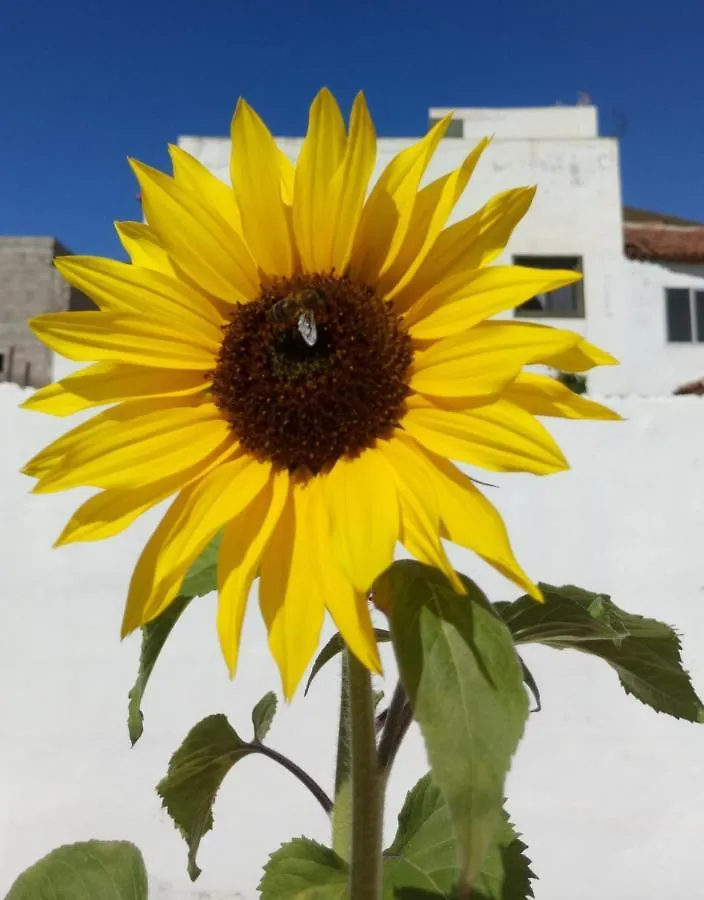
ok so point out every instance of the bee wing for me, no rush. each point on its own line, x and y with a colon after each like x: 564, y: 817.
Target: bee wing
x: 307, y: 328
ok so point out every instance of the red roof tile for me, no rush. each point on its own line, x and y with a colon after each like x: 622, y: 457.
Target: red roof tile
x: 668, y: 243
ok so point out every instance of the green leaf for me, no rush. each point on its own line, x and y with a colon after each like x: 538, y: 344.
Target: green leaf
x: 334, y: 646
x: 202, y: 577
x: 460, y: 670
x: 263, y: 714
x: 154, y: 636
x: 532, y: 685
x: 195, y: 773
x: 422, y: 861
x: 304, y: 870
x: 568, y: 614
x: 109, y: 870
x: 645, y: 653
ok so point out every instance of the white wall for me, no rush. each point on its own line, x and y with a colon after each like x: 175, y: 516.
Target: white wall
x: 608, y: 793
x: 524, y: 122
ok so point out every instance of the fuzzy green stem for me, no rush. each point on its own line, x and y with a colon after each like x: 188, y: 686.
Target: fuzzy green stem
x: 398, y: 719
x: 342, y: 809
x: 367, y: 791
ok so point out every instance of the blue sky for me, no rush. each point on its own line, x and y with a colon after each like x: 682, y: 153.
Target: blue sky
x: 85, y: 83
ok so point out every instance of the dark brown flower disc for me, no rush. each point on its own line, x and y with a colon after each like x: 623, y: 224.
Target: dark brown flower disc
x: 316, y: 368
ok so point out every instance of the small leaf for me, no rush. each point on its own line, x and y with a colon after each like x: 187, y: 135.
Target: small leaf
x: 645, y: 653
x: 263, y: 715
x: 304, y: 870
x: 196, y: 771
x: 532, y: 685
x: 422, y: 861
x: 202, y: 577
x: 334, y: 646
x: 460, y: 670
x: 109, y: 870
x: 154, y: 636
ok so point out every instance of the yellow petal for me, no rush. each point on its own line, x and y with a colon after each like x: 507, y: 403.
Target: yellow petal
x: 470, y: 520
x: 469, y: 244
x: 135, y: 443
x: 289, y: 593
x: 120, y: 287
x: 387, y: 213
x: 481, y: 361
x: 420, y: 516
x: 349, y: 186
x: 321, y: 155
x: 430, y: 214
x: 500, y: 437
x: 243, y: 544
x: 255, y: 167
x: 110, y: 382
x: 580, y: 358
x: 192, y: 521
x: 111, y: 512
x: 124, y: 337
x: 199, y: 241
x: 481, y: 295
x: 363, y: 507
x: 545, y: 396
x: 287, y: 174
x: 143, y: 247
x: 201, y: 183
x: 347, y: 606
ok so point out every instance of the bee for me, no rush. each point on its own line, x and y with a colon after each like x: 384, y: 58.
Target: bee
x: 300, y: 308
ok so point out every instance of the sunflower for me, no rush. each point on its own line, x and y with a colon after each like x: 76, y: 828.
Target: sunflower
x: 297, y: 359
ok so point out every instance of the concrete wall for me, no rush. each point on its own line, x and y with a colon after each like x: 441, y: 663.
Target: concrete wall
x: 607, y: 793
x: 29, y: 286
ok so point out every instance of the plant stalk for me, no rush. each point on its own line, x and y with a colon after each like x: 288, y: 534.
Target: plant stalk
x: 300, y: 774
x: 342, y: 809
x: 367, y: 787
x: 398, y: 719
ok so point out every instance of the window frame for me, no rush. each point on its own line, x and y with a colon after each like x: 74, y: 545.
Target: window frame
x: 693, y: 291
x: 573, y: 262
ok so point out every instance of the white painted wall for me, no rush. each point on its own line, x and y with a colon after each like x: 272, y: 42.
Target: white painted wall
x: 608, y: 793
x: 524, y: 122
x: 577, y: 211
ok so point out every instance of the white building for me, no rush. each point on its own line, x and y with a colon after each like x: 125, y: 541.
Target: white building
x: 643, y: 309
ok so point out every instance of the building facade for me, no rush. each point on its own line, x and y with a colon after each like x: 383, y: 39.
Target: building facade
x: 30, y: 286
x: 576, y: 221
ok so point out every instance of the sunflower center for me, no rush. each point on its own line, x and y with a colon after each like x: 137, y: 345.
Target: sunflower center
x: 316, y: 368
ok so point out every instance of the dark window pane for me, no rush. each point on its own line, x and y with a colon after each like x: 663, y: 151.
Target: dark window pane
x: 567, y: 301
x: 454, y: 130
x: 563, y: 299
x: 2, y: 362
x: 679, y: 316
x: 699, y: 305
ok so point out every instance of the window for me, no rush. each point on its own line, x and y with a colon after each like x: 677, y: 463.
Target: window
x: 2, y: 363
x: 566, y: 302
x: 685, y: 315
x: 454, y: 130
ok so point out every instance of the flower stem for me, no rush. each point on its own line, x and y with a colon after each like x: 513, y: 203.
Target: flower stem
x: 398, y: 719
x: 302, y: 776
x: 367, y: 793
x: 342, y: 809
